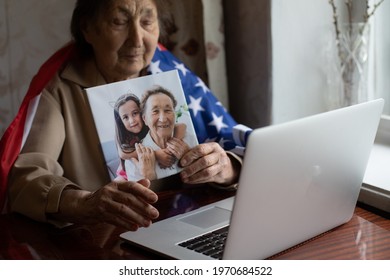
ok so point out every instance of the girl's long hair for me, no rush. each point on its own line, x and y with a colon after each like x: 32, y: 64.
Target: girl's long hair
x: 126, y: 139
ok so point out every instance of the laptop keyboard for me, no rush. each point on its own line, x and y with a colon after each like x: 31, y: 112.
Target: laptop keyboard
x: 210, y: 244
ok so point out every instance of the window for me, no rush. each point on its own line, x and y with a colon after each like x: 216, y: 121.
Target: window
x: 376, y: 188
x: 379, y: 81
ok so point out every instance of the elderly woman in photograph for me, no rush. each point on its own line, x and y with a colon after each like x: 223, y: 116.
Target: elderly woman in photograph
x: 158, y: 113
x: 60, y: 174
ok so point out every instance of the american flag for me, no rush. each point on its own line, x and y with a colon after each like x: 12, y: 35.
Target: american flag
x: 211, y: 120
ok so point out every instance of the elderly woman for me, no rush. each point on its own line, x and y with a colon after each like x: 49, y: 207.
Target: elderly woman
x: 59, y: 175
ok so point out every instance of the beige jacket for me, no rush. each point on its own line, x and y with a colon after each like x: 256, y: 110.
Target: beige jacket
x: 62, y: 148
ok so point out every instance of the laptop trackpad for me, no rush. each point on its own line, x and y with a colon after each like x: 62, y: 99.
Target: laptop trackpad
x: 208, y: 217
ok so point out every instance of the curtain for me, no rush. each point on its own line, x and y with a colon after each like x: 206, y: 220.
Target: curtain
x: 25, y: 43
x: 249, y: 60
x: 186, y: 35
x: 228, y: 44
x: 214, y: 37
x: 196, y: 36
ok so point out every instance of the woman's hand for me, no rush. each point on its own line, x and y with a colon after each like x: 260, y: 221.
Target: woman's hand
x: 177, y: 147
x: 164, y: 158
x: 146, y: 161
x: 126, y: 204
x: 208, y: 162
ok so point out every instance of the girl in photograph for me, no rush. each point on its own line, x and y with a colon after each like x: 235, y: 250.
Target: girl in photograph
x: 130, y: 131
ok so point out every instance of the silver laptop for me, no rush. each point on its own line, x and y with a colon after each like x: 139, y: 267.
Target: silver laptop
x: 299, y: 179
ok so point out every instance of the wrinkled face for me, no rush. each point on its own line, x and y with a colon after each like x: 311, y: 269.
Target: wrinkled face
x: 131, y: 116
x: 124, y: 38
x: 159, y: 116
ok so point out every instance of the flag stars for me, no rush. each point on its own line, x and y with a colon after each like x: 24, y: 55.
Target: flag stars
x: 218, y: 122
x: 195, y: 105
x: 181, y: 68
x: 208, y: 140
x: 202, y: 85
x: 222, y: 142
x: 155, y: 67
x: 221, y: 105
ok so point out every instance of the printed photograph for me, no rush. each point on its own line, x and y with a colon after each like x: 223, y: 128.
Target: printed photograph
x: 144, y: 125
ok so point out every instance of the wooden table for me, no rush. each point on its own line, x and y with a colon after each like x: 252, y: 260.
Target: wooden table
x: 366, y: 236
